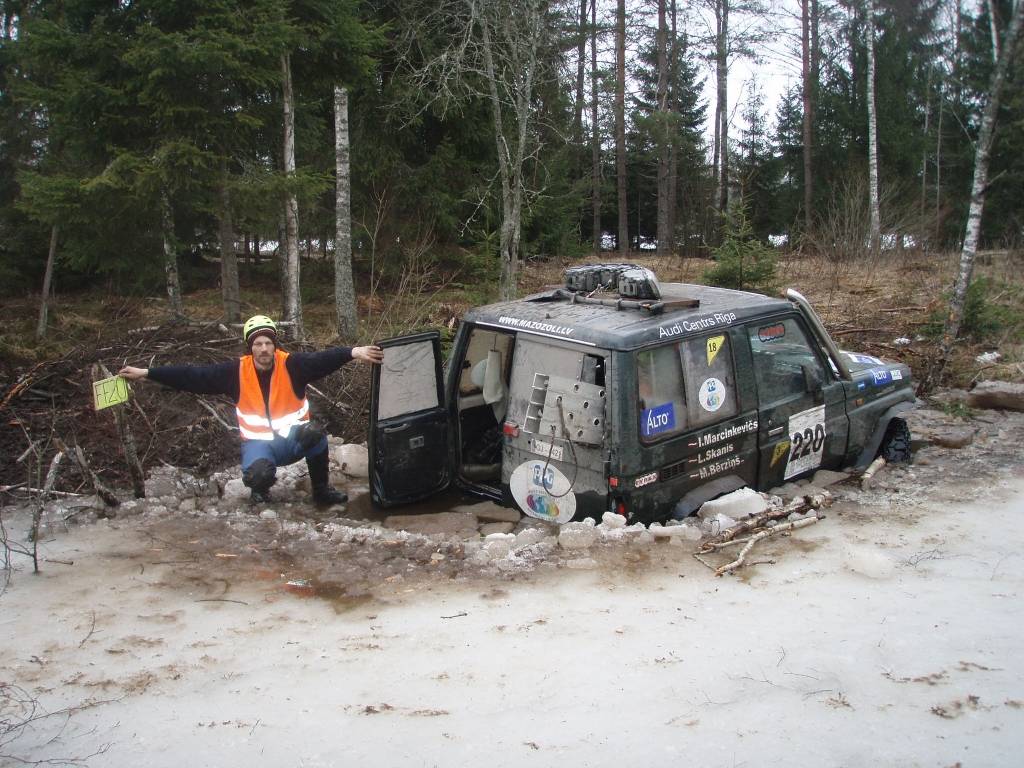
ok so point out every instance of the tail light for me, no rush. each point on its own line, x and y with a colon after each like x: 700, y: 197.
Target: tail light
x: 613, y: 482
x: 510, y: 429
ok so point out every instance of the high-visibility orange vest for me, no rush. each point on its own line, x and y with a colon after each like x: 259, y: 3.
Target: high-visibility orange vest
x: 285, y: 409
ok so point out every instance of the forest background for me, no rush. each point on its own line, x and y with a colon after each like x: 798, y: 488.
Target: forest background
x: 155, y: 145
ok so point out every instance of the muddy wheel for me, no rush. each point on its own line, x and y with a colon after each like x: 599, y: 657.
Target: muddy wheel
x: 895, y: 448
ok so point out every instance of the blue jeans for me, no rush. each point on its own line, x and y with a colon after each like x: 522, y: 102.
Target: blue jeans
x: 280, y: 451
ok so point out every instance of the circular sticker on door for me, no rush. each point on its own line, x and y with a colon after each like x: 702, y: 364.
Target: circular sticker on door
x: 712, y: 394
x: 542, y: 491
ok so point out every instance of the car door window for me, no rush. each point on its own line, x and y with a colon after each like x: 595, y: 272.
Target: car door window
x: 781, y: 356
x: 408, y: 380
x: 685, y: 386
x: 710, y: 381
x: 662, y: 402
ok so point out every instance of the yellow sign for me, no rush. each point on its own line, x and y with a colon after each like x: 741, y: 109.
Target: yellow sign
x: 782, y: 449
x: 108, y: 392
x: 714, y: 347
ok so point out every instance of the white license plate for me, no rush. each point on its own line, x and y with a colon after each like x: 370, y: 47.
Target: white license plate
x: 545, y: 449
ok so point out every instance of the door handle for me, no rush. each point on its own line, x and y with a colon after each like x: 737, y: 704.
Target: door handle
x: 392, y: 430
x: 776, y: 431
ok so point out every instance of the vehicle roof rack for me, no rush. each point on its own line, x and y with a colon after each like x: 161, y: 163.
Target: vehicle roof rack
x: 636, y: 286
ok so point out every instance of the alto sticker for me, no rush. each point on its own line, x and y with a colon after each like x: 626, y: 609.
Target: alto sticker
x: 807, y: 440
x: 882, y: 377
x: 542, y: 491
x: 654, y: 421
x: 711, y: 395
x: 714, y: 347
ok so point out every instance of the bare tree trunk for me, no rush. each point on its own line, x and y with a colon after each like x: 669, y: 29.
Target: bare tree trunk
x: 936, y: 235
x: 924, y: 152
x: 982, y: 156
x: 664, y: 137
x: 292, y: 265
x: 581, y: 60
x: 876, y: 219
x: 722, y: 79
x: 344, y: 287
x: 44, y: 302
x: 993, y: 26
x: 595, y: 136
x: 808, y: 97
x: 171, y: 256
x: 228, y: 256
x: 512, y: 156
x: 620, y: 125
x: 673, y: 159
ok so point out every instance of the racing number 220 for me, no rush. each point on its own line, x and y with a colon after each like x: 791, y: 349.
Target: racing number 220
x: 808, y: 441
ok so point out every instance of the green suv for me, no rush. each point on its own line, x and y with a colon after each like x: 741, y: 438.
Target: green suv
x: 619, y: 393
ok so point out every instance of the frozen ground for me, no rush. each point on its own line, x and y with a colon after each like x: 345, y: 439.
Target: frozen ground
x: 888, y: 634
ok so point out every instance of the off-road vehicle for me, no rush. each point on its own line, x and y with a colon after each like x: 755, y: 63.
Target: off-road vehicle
x: 646, y: 400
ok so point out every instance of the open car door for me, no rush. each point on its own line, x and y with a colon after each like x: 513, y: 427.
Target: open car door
x: 410, y: 431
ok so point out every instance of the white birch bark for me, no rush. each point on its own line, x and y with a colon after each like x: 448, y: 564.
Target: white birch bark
x: 620, y: 125
x: 292, y: 295
x: 876, y: 219
x: 982, y: 156
x: 664, y: 138
x: 344, y: 288
x: 44, y: 302
x: 595, y: 136
x: 722, y: 80
x: 170, y: 256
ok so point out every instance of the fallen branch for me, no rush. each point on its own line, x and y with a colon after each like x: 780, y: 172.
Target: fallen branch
x: 873, y: 467
x: 79, y: 456
x: 774, y: 530
x: 216, y: 415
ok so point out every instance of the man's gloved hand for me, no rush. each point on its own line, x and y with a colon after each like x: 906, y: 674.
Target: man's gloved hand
x: 308, y: 435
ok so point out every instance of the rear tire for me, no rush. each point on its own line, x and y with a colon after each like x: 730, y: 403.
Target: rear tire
x: 895, y: 448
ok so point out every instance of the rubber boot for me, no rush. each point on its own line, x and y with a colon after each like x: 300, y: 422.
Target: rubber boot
x: 323, y: 494
x: 259, y: 477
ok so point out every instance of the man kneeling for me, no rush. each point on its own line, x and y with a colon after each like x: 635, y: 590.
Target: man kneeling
x: 268, y: 386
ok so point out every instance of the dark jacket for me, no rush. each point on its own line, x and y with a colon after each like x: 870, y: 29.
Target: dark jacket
x: 222, y: 378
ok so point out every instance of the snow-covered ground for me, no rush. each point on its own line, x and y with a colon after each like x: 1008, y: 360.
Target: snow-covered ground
x: 888, y: 634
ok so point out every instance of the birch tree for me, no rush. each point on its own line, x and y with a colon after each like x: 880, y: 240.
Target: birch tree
x: 170, y: 255
x: 595, y: 136
x: 491, y: 50
x: 664, y: 134
x: 809, y: 75
x: 290, y: 273
x: 344, y: 288
x: 982, y: 155
x: 620, y: 126
x: 876, y: 224
x: 44, y: 303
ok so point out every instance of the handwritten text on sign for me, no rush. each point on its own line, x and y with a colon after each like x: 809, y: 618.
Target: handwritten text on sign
x: 108, y: 392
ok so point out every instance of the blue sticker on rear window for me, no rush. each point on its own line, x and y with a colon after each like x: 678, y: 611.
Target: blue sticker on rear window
x: 654, y: 421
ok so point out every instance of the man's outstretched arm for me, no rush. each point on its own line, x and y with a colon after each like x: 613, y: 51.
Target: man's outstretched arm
x: 216, y: 379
